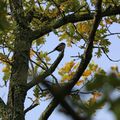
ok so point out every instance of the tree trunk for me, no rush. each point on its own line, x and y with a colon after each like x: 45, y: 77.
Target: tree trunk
x: 19, y: 73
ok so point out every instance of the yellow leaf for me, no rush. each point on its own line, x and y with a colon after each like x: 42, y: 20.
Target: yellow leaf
x: 83, y: 27
x: 64, y: 77
x: 79, y: 82
x: 63, y: 36
x: 47, y: 59
x: 69, y: 44
x: 118, y: 74
x: 42, y: 54
x: 67, y: 68
x: 114, y: 68
x: 67, y: 76
x: 5, y: 69
x: 94, y: 67
x: 108, y: 21
x: 87, y: 73
x: 95, y: 96
x: 70, y: 64
x: 76, y: 66
x: 62, y: 7
x: 31, y: 53
x: 70, y: 75
x: 3, y: 57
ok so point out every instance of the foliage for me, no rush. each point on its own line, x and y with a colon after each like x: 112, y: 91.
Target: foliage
x: 25, y: 27
x: 3, y: 19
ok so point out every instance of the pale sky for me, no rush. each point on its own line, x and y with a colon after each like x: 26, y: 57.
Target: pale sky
x: 103, y: 62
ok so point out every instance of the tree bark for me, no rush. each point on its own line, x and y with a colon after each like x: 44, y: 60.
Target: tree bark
x: 14, y: 110
x: 48, y: 111
x: 19, y: 73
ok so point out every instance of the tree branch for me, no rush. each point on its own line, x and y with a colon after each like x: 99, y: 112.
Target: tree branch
x: 54, y: 24
x: 50, y: 108
x: 17, y: 10
x: 3, y: 108
x: 88, y: 52
x: 59, y: 94
x: 108, y: 56
x: 30, y: 107
x: 48, y: 72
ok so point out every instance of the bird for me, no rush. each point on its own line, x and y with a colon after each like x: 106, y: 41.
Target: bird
x: 60, y: 47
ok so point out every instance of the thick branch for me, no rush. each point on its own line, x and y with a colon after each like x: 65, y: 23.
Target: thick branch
x: 59, y: 93
x: 18, y: 12
x: 50, y: 108
x: 88, y: 52
x: 48, y: 72
x: 54, y: 24
x: 16, y: 4
x: 3, y: 108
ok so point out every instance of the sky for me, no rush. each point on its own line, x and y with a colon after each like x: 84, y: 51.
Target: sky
x: 104, y: 113
x: 103, y: 62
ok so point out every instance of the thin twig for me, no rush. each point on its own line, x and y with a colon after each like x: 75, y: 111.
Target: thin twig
x: 45, y: 65
x: 108, y: 56
x: 30, y: 107
x: 103, y: 49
